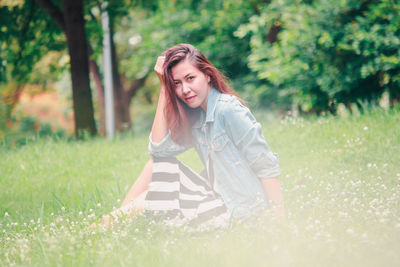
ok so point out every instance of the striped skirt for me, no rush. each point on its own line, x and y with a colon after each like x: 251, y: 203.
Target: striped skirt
x: 178, y: 195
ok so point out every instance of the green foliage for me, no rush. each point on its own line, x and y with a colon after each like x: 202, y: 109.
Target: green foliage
x: 279, y: 53
x: 26, y: 35
x: 327, y: 52
x: 209, y: 25
x: 31, y: 47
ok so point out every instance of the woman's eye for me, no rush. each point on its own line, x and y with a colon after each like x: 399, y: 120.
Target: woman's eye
x: 176, y: 82
x: 190, y: 78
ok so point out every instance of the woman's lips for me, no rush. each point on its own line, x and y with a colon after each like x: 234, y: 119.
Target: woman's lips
x: 188, y: 99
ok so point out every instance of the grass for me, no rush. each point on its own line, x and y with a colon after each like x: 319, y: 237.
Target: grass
x: 341, y: 181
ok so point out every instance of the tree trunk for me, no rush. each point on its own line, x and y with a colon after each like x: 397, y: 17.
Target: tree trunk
x: 127, y: 96
x: 120, y: 123
x: 122, y: 97
x: 95, y: 71
x: 77, y: 46
x: 394, y: 94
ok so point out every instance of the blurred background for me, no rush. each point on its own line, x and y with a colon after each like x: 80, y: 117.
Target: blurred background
x: 310, y: 57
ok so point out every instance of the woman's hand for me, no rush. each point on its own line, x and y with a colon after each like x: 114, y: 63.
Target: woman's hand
x: 272, y: 189
x: 158, y: 68
x: 160, y: 127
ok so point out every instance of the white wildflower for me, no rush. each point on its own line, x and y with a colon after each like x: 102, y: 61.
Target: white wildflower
x: 364, y: 235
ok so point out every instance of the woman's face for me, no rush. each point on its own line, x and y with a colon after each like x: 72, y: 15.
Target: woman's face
x: 191, y: 85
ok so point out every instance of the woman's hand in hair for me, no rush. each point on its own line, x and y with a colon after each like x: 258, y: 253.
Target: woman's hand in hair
x: 160, y: 127
x: 158, y: 68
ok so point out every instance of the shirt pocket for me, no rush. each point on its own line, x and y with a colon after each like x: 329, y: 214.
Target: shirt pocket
x: 224, y: 148
x: 219, y: 142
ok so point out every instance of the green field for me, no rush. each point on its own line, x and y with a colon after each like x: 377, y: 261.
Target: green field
x: 341, y: 182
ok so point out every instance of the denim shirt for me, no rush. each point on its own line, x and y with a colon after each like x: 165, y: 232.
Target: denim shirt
x: 229, y: 137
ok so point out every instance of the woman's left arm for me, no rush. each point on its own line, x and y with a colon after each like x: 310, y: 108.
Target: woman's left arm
x: 246, y: 134
x: 272, y: 188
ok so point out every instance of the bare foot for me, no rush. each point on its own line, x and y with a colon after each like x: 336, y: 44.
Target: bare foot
x: 134, y: 207
x: 106, y: 222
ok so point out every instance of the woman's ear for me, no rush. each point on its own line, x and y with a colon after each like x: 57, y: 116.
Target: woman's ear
x: 208, y: 79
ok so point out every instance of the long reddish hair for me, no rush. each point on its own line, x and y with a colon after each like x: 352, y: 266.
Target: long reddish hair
x: 180, y: 118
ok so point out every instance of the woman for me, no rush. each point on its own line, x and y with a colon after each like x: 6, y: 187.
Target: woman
x: 196, y: 108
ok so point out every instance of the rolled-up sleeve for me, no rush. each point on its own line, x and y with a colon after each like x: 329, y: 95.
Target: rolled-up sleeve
x: 166, y: 147
x: 246, y: 133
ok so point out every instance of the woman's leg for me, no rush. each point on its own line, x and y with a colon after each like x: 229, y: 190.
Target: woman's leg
x: 135, y: 206
x: 134, y: 200
x: 141, y: 184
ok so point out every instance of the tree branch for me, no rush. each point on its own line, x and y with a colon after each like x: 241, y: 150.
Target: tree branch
x: 135, y: 86
x: 54, y: 12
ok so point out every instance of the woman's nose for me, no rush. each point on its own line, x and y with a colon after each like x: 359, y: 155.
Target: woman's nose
x: 185, y: 89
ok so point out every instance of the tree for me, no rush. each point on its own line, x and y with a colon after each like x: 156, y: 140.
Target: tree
x: 70, y: 20
x: 327, y: 52
x: 22, y: 48
x: 124, y: 91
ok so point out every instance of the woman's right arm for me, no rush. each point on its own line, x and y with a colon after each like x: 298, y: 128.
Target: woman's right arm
x: 160, y: 127
x: 161, y: 143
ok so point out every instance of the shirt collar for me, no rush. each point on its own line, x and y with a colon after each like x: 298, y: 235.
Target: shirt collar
x: 213, y: 96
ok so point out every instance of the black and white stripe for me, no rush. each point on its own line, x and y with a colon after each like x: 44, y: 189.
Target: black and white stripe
x: 180, y: 194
